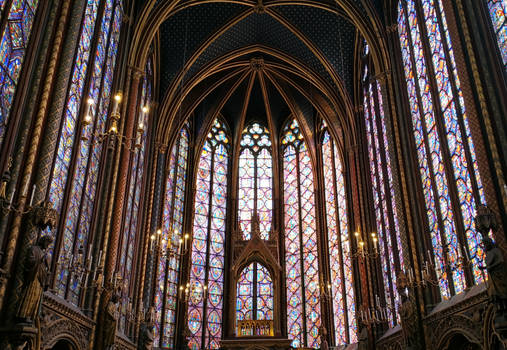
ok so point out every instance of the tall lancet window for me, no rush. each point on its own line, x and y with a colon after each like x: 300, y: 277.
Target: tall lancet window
x: 19, y: 17
x: 449, y: 175
x: 339, y: 244
x: 301, y: 254
x: 133, y: 214
x: 254, y: 294
x: 75, y: 170
x: 255, y: 180
x: 498, y: 13
x: 207, y: 272
x: 168, y: 267
x: 381, y: 177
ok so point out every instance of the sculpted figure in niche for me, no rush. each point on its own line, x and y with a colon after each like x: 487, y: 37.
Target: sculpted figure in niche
x: 110, y: 320
x: 408, y: 314
x: 35, y: 280
x: 323, y: 338
x: 497, y: 273
x: 147, y: 336
x: 362, y: 341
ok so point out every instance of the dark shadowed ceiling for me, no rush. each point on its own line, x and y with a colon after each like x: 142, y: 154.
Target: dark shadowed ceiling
x: 316, y: 34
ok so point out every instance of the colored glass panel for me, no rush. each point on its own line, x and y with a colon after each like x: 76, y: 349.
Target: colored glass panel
x: 78, y: 184
x: 86, y: 154
x: 13, y: 44
x: 498, y: 13
x: 342, y: 287
x: 383, y: 196
x: 451, y: 137
x: 255, y: 180
x: 301, y: 255
x: 457, y: 135
x: 207, y: 272
x: 172, y: 227
x: 254, y: 295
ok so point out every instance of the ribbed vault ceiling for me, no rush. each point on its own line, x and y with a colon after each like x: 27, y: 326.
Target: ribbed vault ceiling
x: 206, y: 49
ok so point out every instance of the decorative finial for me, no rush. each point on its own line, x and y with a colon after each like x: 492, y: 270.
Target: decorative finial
x: 256, y: 231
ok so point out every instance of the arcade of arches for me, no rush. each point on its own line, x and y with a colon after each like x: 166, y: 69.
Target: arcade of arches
x: 253, y: 174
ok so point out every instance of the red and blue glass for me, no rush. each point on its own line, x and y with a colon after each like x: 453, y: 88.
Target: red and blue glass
x: 13, y: 44
x: 255, y: 180
x: 383, y: 195
x: 168, y: 267
x: 340, y: 254
x: 82, y: 150
x: 301, y: 254
x: 452, y: 135
x: 207, y: 272
x: 254, y: 298
x: 498, y: 13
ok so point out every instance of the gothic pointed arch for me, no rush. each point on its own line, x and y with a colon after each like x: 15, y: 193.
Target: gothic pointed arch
x: 301, y: 251
x: 205, y: 303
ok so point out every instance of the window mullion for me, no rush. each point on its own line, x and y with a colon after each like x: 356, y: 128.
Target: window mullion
x: 169, y: 238
x: 339, y: 240
x: 208, y: 239
x: 441, y: 132
x: 459, y: 108
x: 428, y: 154
x: 382, y: 168
x: 77, y: 140
x: 301, y: 245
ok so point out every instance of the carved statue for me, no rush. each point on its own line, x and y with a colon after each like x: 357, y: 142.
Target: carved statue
x: 408, y: 315
x: 147, y: 336
x: 497, y: 281
x: 35, y: 280
x: 362, y: 341
x: 110, y: 320
x: 323, y: 338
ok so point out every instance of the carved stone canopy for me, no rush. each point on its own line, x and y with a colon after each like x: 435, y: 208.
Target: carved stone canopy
x: 485, y: 220
x: 44, y: 215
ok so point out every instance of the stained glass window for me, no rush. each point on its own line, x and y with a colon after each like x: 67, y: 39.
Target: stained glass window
x: 168, y: 267
x: 449, y: 174
x: 254, y: 299
x: 255, y: 180
x: 498, y: 13
x: 301, y: 255
x: 79, y: 146
x: 339, y: 245
x: 207, y: 272
x: 14, y: 42
x: 134, y: 189
x: 386, y: 216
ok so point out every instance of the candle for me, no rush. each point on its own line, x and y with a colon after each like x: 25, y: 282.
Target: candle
x: 25, y: 189
x: 181, y: 292
x: 117, y: 100
x: 33, y: 193
x: 180, y: 247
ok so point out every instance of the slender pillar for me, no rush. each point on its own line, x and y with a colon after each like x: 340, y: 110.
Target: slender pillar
x: 119, y: 200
